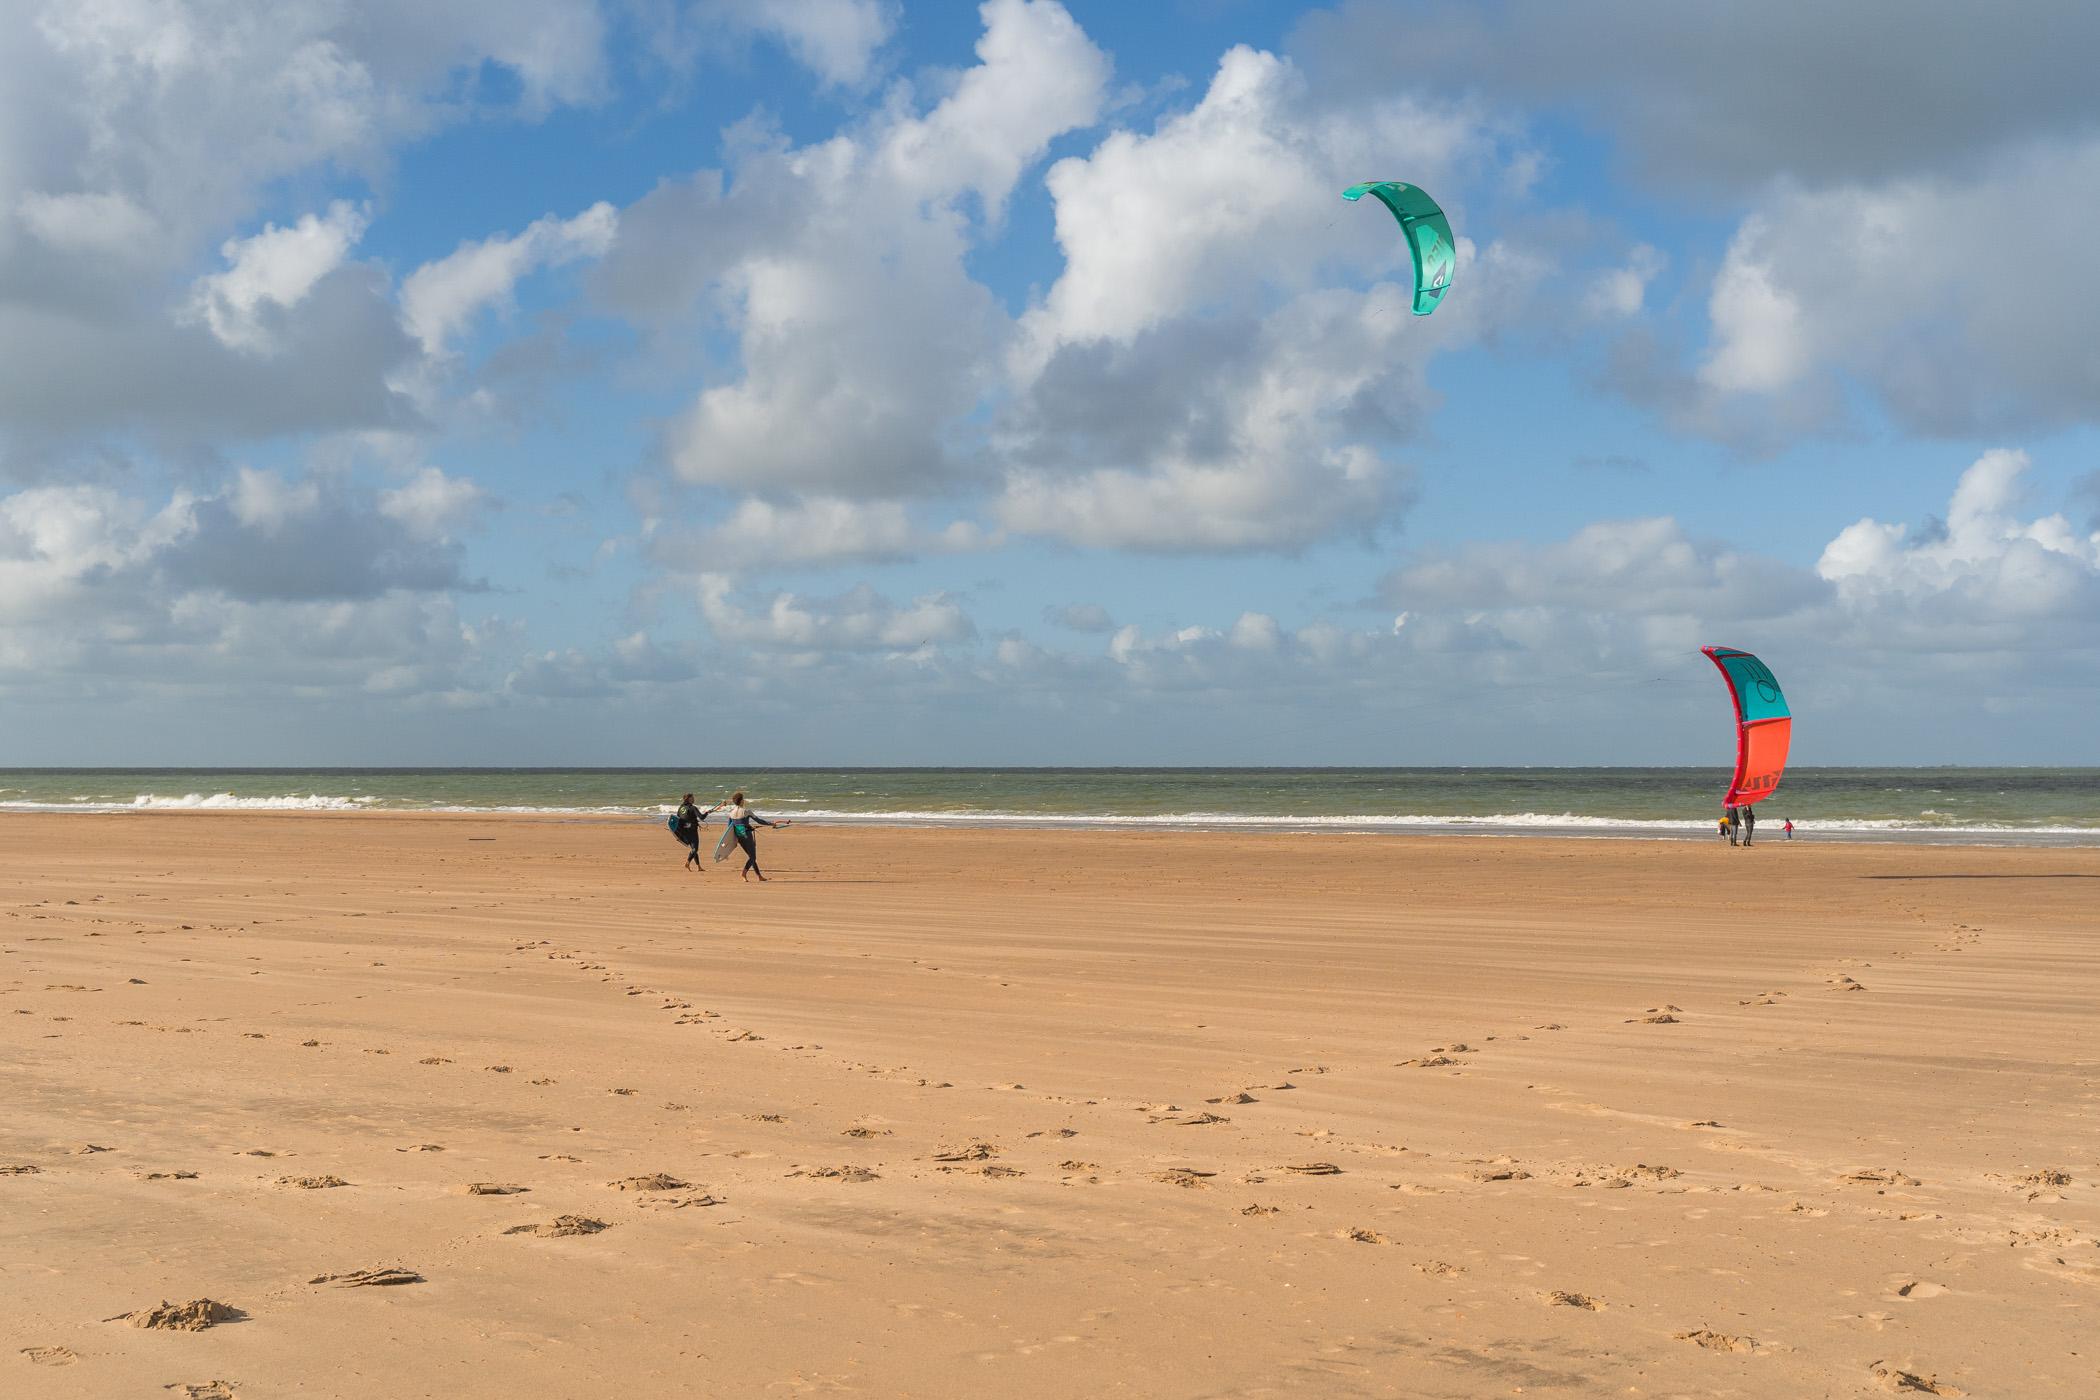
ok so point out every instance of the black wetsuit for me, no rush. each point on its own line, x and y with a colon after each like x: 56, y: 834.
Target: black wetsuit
x: 740, y: 828
x: 1749, y: 824
x: 689, y: 820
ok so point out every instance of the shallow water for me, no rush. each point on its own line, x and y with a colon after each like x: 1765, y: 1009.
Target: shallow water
x: 2025, y: 805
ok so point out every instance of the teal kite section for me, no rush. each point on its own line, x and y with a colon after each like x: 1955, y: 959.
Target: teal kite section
x: 1428, y: 235
x: 1756, y: 688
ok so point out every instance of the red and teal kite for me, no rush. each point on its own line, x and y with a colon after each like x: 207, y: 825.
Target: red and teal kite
x: 1763, y: 724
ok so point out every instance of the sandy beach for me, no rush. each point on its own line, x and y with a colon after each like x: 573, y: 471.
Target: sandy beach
x: 1021, y: 1113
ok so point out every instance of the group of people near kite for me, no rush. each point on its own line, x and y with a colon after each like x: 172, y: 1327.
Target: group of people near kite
x: 685, y: 825
x: 1739, y: 824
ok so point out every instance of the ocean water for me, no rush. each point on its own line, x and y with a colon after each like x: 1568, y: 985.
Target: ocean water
x: 2058, y: 806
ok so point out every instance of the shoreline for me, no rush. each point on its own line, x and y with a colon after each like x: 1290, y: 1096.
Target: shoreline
x: 1543, y: 829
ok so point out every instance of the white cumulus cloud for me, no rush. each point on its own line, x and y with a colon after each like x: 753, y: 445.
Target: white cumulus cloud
x: 440, y: 298
x: 273, y: 271
x: 858, y: 620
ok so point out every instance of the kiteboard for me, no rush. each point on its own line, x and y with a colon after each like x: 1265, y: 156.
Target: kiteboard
x: 728, y: 842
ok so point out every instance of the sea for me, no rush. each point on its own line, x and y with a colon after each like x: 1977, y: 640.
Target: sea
x: 1998, y: 806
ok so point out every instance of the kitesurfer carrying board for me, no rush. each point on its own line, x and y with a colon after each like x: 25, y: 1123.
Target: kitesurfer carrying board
x: 686, y: 827
x: 742, y: 823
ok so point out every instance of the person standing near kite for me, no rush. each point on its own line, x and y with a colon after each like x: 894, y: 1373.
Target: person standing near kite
x: 1788, y: 828
x: 1749, y: 822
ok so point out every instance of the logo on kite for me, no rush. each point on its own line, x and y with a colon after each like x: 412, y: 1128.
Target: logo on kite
x: 1764, y: 726
x: 1428, y: 235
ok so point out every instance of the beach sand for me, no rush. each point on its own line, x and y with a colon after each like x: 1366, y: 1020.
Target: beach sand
x: 1019, y: 1113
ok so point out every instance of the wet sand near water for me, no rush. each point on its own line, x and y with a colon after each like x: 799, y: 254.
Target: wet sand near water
x: 378, y: 1107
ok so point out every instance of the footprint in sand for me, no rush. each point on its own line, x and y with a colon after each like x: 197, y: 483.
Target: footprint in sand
x: 1642, y: 1171
x: 2037, y: 1184
x: 1901, y: 1382
x: 494, y: 1188
x: 20, y: 1169
x: 1242, y: 1097
x: 1501, y: 1169
x: 1878, y: 1176
x: 208, y: 1390
x: 1717, y: 1341
x: 1438, y: 1268
x: 1188, y: 1178
x: 561, y: 1227
x: 1656, y: 1016
x: 311, y: 1183
x: 974, y: 1152
x: 1561, y: 1298
x: 655, y: 1181
x: 193, y: 1316
x: 1313, y: 1168
x: 837, y: 1173
x: 49, y: 1356
x: 387, y: 1277
x: 1362, y: 1236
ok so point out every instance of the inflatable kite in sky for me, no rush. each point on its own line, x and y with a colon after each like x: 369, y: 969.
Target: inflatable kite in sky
x: 1763, y: 724
x: 1428, y: 237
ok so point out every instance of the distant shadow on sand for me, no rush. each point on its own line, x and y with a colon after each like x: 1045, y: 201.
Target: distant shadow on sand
x: 2066, y: 875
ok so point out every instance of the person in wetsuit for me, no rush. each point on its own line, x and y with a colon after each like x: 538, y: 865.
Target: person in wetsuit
x: 689, y: 819
x: 742, y: 823
x: 1748, y: 821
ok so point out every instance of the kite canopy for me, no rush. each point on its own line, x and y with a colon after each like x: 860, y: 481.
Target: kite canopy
x: 1763, y: 724
x: 1428, y: 237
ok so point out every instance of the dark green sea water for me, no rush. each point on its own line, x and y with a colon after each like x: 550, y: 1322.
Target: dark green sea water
x: 2039, y: 805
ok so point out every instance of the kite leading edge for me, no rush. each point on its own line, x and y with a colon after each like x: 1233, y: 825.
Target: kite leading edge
x: 1764, y: 727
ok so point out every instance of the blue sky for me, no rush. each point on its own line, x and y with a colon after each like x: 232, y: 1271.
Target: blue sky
x: 832, y: 381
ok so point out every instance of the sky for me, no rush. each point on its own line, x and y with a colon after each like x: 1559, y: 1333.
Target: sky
x: 759, y: 382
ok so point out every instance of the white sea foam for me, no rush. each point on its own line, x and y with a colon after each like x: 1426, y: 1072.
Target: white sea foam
x: 199, y: 802
x: 1541, y: 821
x: 1929, y: 823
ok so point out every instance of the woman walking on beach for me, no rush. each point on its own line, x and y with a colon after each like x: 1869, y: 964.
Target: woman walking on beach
x: 742, y: 820
x: 688, y: 828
